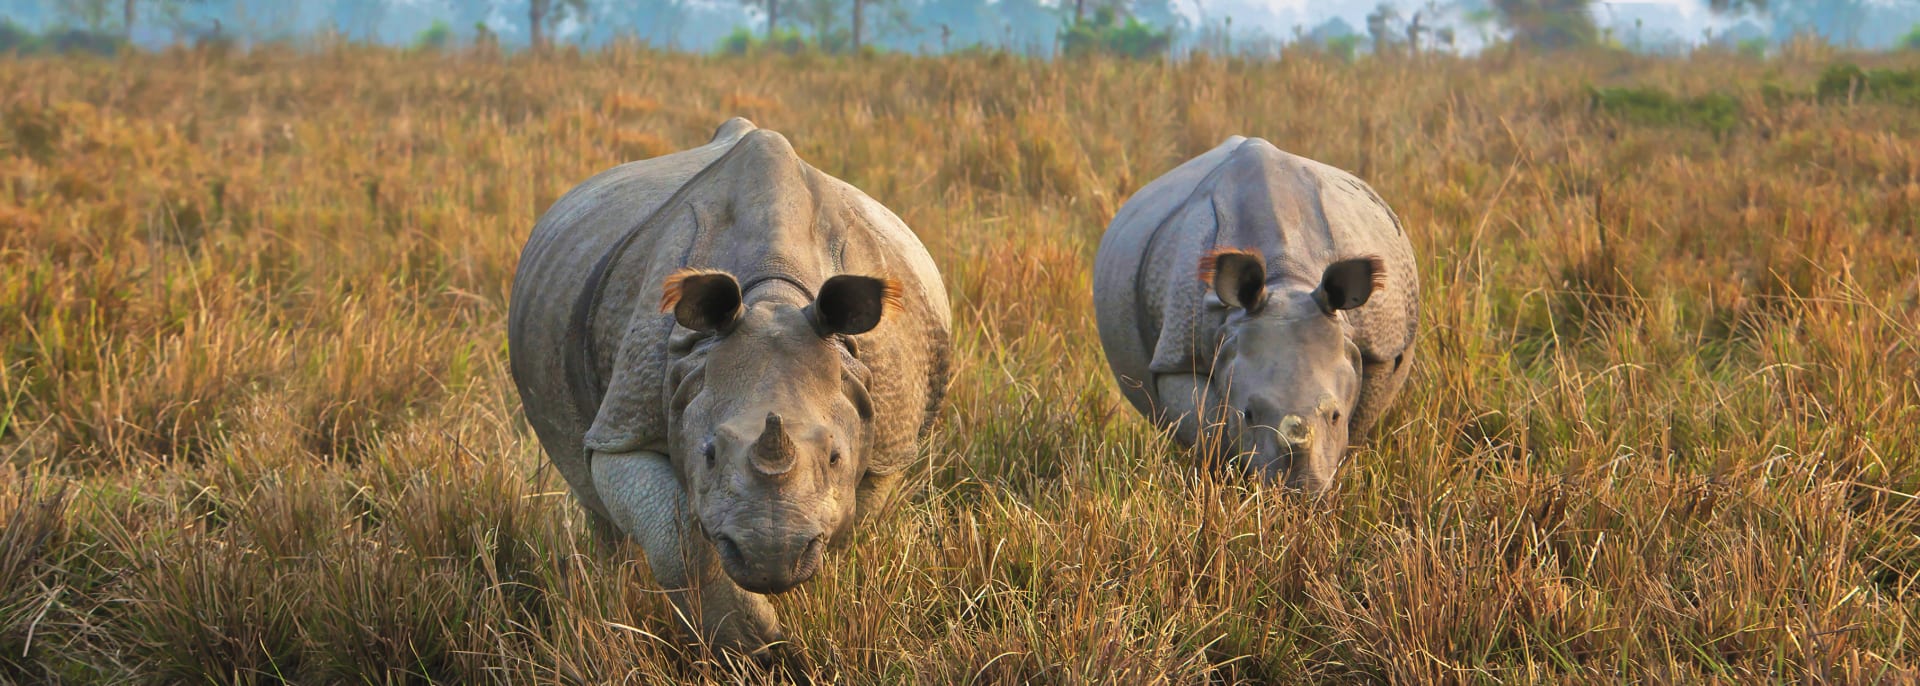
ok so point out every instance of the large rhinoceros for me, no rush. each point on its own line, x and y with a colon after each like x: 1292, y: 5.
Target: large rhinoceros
x: 1261, y: 305
x: 730, y: 356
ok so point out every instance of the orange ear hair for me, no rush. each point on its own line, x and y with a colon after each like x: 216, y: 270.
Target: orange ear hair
x: 1212, y: 259
x: 892, y: 295
x: 670, y: 289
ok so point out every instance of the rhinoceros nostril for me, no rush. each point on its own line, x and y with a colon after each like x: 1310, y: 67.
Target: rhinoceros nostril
x: 729, y: 552
x: 809, y: 560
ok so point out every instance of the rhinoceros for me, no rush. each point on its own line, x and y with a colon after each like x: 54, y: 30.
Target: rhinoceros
x: 1259, y: 306
x: 730, y: 357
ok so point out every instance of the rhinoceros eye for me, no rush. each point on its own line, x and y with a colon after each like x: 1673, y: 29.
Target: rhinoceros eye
x: 708, y: 452
x: 1336, y: 416
x: 834, y: 458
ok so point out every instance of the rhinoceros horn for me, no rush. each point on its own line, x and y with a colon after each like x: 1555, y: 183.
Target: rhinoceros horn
x: 774, y: 452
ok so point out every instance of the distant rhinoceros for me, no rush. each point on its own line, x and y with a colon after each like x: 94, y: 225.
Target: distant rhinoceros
x: 1261, y: 305
x: 730, y: 356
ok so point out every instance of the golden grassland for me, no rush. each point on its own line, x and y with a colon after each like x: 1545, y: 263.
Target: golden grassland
x: 256, y: 422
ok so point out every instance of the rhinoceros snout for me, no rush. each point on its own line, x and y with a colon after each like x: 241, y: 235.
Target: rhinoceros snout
x: 1295, y: 432
x: 771, y: 565
x: 1279, y: 450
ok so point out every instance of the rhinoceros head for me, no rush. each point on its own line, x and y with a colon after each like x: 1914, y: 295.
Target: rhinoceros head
x: 769, y: 416
x: 1292, y: 372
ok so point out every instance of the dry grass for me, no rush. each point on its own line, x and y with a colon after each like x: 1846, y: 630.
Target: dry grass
x: 256, y: 422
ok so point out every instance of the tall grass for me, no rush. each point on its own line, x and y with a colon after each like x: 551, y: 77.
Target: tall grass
x: 1665, y: 424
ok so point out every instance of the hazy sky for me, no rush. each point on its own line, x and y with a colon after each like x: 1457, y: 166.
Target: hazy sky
x: 700, y: 23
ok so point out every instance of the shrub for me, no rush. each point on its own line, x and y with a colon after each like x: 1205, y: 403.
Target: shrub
x: 435, y: 37
x: 744, y: 41
x: 1847, y: 80
x: 17, y: 39
x: 13, y: 38
x: 1344, y: 47
x: 1717, y: 112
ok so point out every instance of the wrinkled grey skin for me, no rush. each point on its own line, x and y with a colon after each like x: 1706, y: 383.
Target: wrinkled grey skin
x: 739, y: 435
x: 1279, y: 382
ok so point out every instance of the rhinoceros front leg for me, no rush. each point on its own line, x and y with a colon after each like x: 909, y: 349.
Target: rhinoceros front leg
x: 646, y: 501
x: 1381, y: 383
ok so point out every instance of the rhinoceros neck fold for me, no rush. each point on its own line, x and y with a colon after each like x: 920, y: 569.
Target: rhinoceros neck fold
x: 580, y: 359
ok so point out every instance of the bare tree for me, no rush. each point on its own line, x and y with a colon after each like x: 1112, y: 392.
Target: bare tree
x: 1415, y: 27
x: 541, y: 11
x: 772, y: 8
x: 129, y: 10
x: 879, y: 17
x: 1378, y: 26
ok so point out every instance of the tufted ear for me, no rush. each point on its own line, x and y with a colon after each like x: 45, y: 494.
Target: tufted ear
x: 1348, y: 284
x: 852, y: 305
x: 701, y: 299
x: 1238, y: 277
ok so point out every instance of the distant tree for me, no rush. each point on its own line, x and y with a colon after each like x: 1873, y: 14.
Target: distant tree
x: 1379, y: 25
x: 1836, y: 20
x: 128, y: 9
x: 473, y: 13
x: 1118, y: 8
x: 1160, y: 13
x: 959, y: 22
x: 859, y: 22
x: 540, y: 12
x: 435, y: 37
x: 1025, y: 25
x: 772, y: 8
x: 654, y: 20
x: 820, y: 19
x: 1107, y: 34
x: 892, y: 16
x: 366, y: 15
x: 89, y: 13
x: 94, y: 14
x: 1548, y: 24
x: 1152, y: 13
x: 1434, y: 23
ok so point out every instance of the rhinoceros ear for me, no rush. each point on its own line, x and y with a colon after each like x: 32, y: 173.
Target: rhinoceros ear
x: 702, y: 300
x: 1238, y: 277
x: 1348, y: 283
x: 852, y: 305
